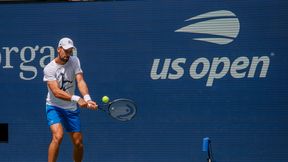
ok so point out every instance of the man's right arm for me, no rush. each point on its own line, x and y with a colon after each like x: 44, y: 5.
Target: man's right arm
x: 58, y: 93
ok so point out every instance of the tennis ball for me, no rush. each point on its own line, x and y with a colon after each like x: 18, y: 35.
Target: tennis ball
x: 105, y: 99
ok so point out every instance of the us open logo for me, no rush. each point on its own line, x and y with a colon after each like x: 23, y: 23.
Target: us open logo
x: 216, y: 27
x: 219, y: 27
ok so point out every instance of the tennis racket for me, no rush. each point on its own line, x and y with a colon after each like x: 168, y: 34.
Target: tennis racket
x: 121, y: 109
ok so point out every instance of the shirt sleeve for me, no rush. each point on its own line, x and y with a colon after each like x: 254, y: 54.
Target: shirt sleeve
x: 49, y: 74
x: 77, y: 66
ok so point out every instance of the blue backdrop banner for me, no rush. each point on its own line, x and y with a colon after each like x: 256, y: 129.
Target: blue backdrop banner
x: 212, y: 69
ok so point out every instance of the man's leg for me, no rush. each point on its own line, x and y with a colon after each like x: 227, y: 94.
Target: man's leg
x: 57, y: 136
x: 78, y: 146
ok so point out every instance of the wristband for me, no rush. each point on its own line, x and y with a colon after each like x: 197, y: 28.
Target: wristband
x: 87, y: 97
x: 75, y: 98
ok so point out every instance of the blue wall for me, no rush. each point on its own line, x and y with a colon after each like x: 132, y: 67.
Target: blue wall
x: 244, y: 113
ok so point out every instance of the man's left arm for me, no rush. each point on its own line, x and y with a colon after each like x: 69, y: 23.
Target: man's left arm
x: 83, y: 88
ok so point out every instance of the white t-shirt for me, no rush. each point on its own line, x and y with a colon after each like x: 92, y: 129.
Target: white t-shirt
x: 65, y: 76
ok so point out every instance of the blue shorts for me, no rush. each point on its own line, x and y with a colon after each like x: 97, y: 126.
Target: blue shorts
x: 69, y: 119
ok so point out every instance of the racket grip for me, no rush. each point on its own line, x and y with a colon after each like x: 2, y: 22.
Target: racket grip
x: 101, y: 107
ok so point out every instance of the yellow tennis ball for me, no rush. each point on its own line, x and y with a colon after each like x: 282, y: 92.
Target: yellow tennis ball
x: 105, y: 99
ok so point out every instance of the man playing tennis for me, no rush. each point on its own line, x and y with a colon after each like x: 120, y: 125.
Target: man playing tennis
x: 61, y: 103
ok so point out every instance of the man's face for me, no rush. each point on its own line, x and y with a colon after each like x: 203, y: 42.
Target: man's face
x: 64, y: 55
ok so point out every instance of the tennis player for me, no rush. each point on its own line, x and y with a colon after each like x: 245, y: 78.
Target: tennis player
x: 61, y: 102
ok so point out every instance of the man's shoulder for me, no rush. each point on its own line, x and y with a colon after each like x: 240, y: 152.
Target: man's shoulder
x: 74, y: 58
x: 50, y: 66
x: 74, y: 61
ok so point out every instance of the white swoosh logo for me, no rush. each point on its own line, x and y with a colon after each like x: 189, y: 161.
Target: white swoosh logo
x: 220, y: 27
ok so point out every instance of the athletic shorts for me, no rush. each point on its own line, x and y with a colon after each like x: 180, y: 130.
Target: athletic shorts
x: 69, y: 119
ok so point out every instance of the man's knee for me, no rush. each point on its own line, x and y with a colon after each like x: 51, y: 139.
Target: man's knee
x: 57, y: 137
x: 78, y: 143
x: 57, y: 133
x: 77, y: 139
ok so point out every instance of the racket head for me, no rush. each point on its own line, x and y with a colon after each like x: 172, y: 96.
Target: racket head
x: 122, y: 109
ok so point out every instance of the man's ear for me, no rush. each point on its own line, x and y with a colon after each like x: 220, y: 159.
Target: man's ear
x: 58, y: 49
